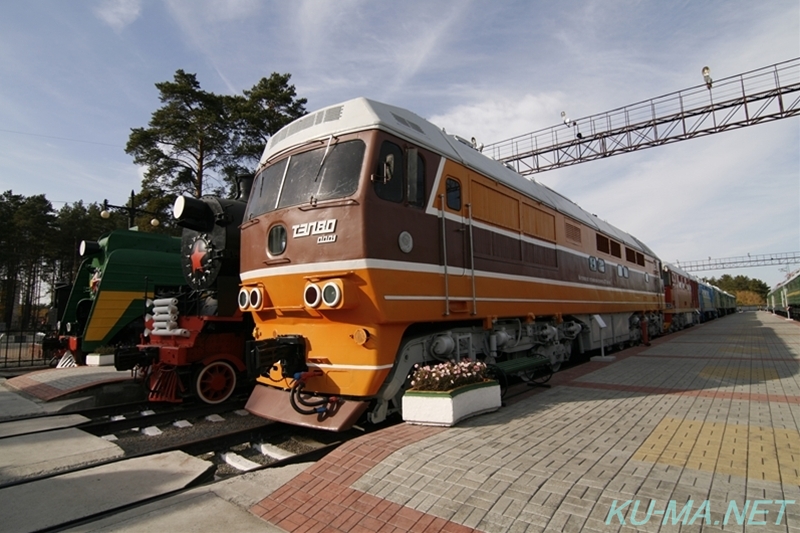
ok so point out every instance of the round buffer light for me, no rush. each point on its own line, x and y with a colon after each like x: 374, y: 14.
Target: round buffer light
x: 244, y: 298
x: 331, y: 294
x: 312, y: 296
x: 276, y: 241
x: 255, y: 298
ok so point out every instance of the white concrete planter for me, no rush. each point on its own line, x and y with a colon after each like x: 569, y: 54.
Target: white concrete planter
x: 95, y: 359
x: 447, y: 408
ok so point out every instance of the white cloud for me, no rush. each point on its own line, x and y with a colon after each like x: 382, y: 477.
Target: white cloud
x: 494, y: 115
x: 118, y: 13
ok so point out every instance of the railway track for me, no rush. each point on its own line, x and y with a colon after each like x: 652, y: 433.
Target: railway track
x: 294, y: 445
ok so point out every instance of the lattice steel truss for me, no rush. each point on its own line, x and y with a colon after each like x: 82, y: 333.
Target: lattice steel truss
x: 754, y: 97
x: 783, y: 258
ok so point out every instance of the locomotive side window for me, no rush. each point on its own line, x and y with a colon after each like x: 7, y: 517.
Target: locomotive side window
x: 388, y: 178
x: 453, y: 189
x: 602, y: 244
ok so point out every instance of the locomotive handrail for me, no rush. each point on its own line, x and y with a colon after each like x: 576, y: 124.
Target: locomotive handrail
x: 472, y: 260
x: 444, y: 255
x: 331, y: 275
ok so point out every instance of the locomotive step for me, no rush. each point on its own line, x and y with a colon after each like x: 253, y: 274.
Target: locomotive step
x: 521, y: 364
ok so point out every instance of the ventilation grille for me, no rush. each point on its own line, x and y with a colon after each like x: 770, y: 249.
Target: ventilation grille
x: 573, y: 232
x: 326, y: 115
x: 407, y: 123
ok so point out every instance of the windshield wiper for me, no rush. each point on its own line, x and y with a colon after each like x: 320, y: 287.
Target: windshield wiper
x: 325, y: 155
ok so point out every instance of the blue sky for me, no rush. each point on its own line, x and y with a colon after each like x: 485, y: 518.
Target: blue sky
x: 76, y: 76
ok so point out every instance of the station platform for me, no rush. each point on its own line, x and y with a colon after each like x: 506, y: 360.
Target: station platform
x: 698, y: 432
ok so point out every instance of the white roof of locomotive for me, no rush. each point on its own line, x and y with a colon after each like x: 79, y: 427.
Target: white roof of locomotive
x: 361, y: 113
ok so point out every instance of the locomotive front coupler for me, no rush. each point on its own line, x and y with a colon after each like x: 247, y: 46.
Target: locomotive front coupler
x: 129, y: 357
x: 288, y: 350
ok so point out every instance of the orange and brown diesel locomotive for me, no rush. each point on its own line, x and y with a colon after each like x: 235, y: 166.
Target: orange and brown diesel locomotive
x: 373, y: 240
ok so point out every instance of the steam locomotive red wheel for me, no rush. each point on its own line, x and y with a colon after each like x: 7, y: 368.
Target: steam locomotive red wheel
x: 215, y: 382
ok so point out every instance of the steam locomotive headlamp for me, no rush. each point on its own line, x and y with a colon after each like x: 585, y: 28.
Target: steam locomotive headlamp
x: 244, y: 298
x: 331, y: 294
x: 193, y: 213
x: 312, y: 296
x: 88, y: 247
x: 256, y: 298
x: 276, y: 241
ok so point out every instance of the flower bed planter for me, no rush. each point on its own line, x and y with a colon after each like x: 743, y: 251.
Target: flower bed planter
x: 447, y: 408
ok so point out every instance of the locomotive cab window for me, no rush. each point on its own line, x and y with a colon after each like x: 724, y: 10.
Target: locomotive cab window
x: 400, y: 174
x: 453, y: 190
x: 388, y: 177
x: 324, y: 173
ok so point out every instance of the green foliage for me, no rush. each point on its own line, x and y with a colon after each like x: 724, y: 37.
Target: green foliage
x: 41, y: 249
x: 735, y: 285
x: 198, y: 141
x: 187, y: 137
x: 263, y: 110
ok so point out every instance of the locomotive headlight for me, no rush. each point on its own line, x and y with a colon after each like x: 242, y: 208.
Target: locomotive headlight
x: 244, y: 298
x: 69, y: 327
x: 88, y: 247
x: 276, y: 241
x: 256, y: 298
x: 339, y: 293
x: 312, y: 296
x: 331, y: 294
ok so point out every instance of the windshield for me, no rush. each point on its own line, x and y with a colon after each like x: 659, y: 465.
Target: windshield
x: 307, y: 177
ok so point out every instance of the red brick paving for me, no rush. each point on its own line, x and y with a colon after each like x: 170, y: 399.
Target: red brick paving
x: 35, y: 388
x: 321, y: 500
x: 46, y: 392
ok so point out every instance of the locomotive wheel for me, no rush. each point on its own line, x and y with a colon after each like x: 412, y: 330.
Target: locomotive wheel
x: 215, y: 382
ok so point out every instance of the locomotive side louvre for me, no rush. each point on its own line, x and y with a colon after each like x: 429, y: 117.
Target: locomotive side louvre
x: 357, y: 275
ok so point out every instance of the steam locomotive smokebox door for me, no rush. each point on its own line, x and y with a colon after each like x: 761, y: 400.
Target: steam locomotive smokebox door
x: 210, y: 243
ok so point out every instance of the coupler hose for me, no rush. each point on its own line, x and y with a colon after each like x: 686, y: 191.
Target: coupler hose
x: 297, y: 396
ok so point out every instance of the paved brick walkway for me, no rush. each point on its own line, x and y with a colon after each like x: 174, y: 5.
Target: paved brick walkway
x: 708, y: 415
x: 57, y: 382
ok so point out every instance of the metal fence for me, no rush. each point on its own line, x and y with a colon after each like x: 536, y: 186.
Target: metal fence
x: 20, y: 349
